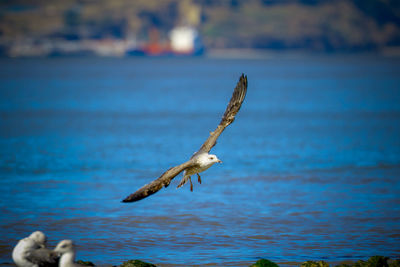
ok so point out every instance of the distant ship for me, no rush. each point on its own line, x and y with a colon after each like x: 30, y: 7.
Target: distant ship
x: 183, y: 41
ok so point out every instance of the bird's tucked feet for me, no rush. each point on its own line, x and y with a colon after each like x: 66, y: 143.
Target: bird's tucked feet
x: 198, y: 178
x: 191, y: 185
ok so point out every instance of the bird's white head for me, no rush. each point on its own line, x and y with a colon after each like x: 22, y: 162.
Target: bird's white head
x: 213, y: 158
x: 64, y: 246
x: 39, y: 238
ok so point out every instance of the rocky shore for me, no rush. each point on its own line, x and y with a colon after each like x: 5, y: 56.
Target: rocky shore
x: 374, y: 261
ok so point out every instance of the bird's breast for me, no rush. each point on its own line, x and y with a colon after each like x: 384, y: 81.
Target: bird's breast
x: 197, y: 168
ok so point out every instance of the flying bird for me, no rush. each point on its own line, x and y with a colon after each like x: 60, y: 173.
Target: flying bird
x: 201, y: 160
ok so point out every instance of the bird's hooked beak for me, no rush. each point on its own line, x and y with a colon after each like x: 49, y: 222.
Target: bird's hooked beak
x: 219, y: 161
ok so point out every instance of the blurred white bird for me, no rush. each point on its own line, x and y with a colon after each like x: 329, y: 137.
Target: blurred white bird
x: 32, y: 252
x: 66, y: 249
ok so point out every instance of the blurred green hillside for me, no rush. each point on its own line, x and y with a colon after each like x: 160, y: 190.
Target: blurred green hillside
x: 317, y: 25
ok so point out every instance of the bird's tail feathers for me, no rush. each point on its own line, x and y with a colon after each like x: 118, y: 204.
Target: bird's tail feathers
x: 184, y: 180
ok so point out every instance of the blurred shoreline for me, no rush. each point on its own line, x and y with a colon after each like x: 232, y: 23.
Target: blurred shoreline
x: 120, y: 49
x: 171, y: 27
x: 291, y: 53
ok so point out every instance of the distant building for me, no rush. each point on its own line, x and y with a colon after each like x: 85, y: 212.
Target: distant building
x: 183, y: 41
x: 186, y: 41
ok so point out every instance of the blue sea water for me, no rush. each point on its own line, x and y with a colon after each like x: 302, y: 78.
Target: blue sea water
x: 311, y: 165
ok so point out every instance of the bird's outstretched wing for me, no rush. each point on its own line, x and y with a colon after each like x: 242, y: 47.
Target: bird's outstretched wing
x: 160, y: 182
x: 229, y: 116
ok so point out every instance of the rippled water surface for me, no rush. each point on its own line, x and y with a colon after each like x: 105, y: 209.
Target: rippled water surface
x: 311, y: 166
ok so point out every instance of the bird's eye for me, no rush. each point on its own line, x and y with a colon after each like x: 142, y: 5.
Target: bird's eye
x: 211, y: 157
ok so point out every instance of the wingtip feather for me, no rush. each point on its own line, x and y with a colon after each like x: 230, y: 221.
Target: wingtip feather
x: 127, y: 200
x: 243, y: 80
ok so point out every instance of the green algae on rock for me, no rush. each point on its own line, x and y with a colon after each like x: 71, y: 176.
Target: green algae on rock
x: 264, y: 263
x: 394, y: 263
x: 314, y: 264
x: 374, y: 261
x: 87, y: 263
x: 136, y: 263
